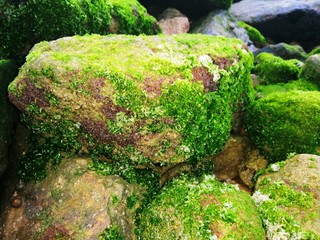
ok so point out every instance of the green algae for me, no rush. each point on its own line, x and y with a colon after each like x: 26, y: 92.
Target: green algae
x: 284, y: 122
x: 273, y: 69
x: 177, y: 112
x: 255, y: 36
x: 192, y: 208
x: 30, y: 22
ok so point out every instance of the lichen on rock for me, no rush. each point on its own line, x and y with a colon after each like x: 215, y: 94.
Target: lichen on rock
x: 173, y: 95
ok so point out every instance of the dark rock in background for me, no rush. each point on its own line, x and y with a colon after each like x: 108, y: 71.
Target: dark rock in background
x: 282, y: 21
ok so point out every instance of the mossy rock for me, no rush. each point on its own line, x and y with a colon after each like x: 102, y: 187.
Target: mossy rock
x: 311, y: 69
x: 23, y: 25
x: 8, y: 71
x: 151, y: 99
x: 273, y: 69
x: 300, y: 85
x: 287, y: 197
x: 189, y: 208
x: 285, y: 122
x: 73, y: 202
x: 255, y: 36
x: 314, y: 51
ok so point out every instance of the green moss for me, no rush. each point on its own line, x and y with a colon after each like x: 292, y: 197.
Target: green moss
x: 300, y: 85
x: 111, y: 233
x: 255, y: 36
x: 30, y: 22
x: 282, y: 123
x: 191, y: 208
x: 274, y: 69
x: 279, y: 206
x: 173, y: 103
x: 314, y: 51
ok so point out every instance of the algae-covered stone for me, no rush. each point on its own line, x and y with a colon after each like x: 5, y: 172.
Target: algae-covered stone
x: 311, y: 69
x: 189, y: 208
x: 8, y: 71
x: 287, y: 197
x: 74, y: 202
x: 285, y: 122
x: 274, y: 69
x: 165, y: 99
x: 22, y: 25
x: 255, y: 36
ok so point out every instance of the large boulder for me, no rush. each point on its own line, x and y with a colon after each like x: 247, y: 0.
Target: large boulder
x: 73, y: 202
x: 8, y: 71
x: 281, y: 20
x: 285, y: 122
x: 221, y: 23
x: 149, y: 99
x: 311, y: 69
x: 191, y: 208
x: 22, y: 25
x: 288, y: 198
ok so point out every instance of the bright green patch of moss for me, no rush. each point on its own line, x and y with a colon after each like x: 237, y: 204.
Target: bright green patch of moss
x: 274, y: 69
x: 314, y: 51
x: 111, y: 233
x: 255, y: 36
x: 301, y: 85
x: 282, y: 123
x: 191, y: 208
x: 280, y: 207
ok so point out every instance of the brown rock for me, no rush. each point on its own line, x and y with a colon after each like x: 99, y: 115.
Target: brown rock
x: 74, y: 203
x: 173, y: 22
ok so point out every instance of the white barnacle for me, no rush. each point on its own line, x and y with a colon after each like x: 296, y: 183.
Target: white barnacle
x: 258, y: 197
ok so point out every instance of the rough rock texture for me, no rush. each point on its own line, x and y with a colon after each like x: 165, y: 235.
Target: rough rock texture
x: 190, y: 208
x: 311, y: 69
x: 22, y: 25
x: 172, y: 21
x: 153, y: 99
x: 285, y: 51
x: 73, y: 203
x: 285, y: 122
x: 8, y: 71
x: 221, y: 23
x: 282, y: 20
x: 288, y: 198
x: 238, y: 159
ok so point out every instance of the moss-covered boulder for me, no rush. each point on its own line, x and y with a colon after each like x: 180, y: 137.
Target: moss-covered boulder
x: 311, y: 69
x: 22, y: 25
x: 273, y: 69
x: 8, y: 71
x: 285, y: 122
x: 288, y: 198
x: 74, y: 202
x: 285, y: 51
x: 189, y: 208
x: 149, y: 99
